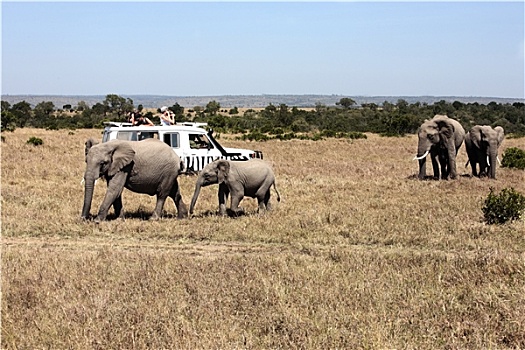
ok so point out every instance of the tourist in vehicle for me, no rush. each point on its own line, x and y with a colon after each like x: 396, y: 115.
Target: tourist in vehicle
x: 132, y: 116
x: 166, y: 117
x: 142, y: 120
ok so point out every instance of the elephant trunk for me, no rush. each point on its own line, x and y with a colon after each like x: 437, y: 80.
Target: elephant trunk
x: 89, y: 186
x: 492, y: 156
x: 195, y: 196
x: 423, y: 148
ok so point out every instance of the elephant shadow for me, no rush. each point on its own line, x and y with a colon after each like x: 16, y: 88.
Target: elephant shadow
x: 426, y: 178
x: 214, y: 213
x: 136, y: 215
x: 432, y: 178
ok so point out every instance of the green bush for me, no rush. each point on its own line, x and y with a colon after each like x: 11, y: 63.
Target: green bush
x: 35, y: 141
x: 513, y: 158
x: 356, y: 135
x: 506, y: 206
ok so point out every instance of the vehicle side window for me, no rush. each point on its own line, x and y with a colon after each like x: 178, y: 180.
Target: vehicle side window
x: 143, y: 135
x: 127, y: 135
x: 200, y: 141
x: 172, y: 140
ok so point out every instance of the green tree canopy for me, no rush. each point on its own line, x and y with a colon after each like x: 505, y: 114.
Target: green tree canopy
x: 345, y: 102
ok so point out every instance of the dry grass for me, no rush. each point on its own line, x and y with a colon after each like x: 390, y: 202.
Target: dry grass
x: 359, y: 254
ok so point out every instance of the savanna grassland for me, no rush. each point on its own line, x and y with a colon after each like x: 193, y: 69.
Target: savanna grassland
x: 358, y: 254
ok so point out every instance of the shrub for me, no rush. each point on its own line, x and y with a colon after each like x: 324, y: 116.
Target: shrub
x: 513, y: 158
x: 356, y: 135
x: 506, y: 206
x: 35, y: 141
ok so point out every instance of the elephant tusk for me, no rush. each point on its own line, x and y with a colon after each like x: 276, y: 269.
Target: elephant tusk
x: 488, y: 161
x: 423, y: 156
x: 499, y: 162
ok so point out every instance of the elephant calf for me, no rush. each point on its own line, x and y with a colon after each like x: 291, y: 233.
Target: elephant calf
x: 148, y: 166
x: 252, y: 178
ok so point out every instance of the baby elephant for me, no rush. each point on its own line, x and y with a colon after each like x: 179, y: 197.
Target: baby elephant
x: 252, y: 178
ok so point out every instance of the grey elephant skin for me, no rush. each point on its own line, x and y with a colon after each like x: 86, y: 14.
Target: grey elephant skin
x: 482, y: 143
x: 252, y: 178
x: 150, y: 167
x: 441, y: 137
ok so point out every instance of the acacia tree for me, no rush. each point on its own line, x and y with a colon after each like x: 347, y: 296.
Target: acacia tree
x: 346, y: 102
x: 117, y: 104
x: 213, y: 107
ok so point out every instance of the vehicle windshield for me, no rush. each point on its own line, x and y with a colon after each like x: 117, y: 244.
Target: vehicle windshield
x: 200, y: 141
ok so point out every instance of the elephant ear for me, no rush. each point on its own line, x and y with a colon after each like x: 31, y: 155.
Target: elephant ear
x: 88, y: 144
x: 501, y: 134
x: 476, y: 134
x: 122, y: 155
x: 445, y: 127
x: 223, y: 170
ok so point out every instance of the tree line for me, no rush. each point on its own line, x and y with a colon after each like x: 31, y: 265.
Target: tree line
x: 280, y: 121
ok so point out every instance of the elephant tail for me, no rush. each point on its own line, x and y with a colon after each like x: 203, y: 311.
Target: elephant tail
x: 278, y: 195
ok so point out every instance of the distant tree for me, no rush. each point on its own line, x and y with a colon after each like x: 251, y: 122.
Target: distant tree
x: 177, y: 109
x: 402, y: 105
x: 100, y: 109
x: 82, y: 106
x: 320, y: 107
x: 5, y: 105
x: 233, y: 111
x: 117, y: 104
x: 346, y: 102
x: 44, y: 109
x: 213, y: 107
x: 66, y: 107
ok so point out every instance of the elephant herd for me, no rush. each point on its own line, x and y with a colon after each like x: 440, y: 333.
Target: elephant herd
x: 151, y: 167
x: 441, y: 137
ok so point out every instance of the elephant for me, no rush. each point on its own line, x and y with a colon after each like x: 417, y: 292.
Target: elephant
x: 482, y: 143
x: 442, y: 137
x: 149, y: 167
x: 252, y: 178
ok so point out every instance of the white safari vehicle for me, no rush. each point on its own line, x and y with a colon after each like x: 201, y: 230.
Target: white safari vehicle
x: 195, y: 146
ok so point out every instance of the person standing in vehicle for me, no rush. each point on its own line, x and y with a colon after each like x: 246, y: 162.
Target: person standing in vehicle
x: 166, y: 118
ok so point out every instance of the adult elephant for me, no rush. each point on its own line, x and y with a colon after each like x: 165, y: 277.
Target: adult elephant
x: 440, y: 136
x: 148, y: 166
x: 482, y: 143
x: 252, y: 178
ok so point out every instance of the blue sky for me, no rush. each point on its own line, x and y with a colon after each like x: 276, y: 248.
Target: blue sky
x: 252, y: 48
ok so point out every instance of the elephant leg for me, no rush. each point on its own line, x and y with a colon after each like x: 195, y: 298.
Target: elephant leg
x: 422, y: 169
x: 236, y: 199
x: 117, y: 205
x: 182, y: 210
x: 157, y: 213
x: 444, y: 168
x: 114, y: 191
x: 435, y: 166
x: 224, y: 191
x: 474, y: 166
x: 266, y: 201
x: 263, y: 198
